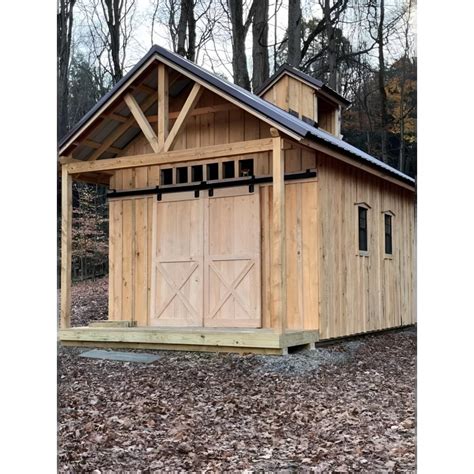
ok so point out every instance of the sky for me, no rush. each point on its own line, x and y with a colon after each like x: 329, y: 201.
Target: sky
x: 216, y: 55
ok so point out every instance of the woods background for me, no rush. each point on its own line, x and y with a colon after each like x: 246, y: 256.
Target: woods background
x: 364, y: 49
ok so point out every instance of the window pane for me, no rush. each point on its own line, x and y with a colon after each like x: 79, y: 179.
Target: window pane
x: 228, y: 170
x: 166, y: 176
x: 245, y: 167
x: 363, y: 228
x: 212, y: 171
x: 196, y: 172
x: 182, y: 175
x: 388, y: 234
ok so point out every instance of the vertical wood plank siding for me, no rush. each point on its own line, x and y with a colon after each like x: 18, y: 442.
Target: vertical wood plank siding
x: 361, y: 293
x: 330, y: 286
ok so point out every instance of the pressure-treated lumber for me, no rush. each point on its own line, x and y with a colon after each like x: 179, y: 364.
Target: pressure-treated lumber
x: 142, y: 121
x: 163, y: 105
x: 176, y: 156
x: 278, y: 256
x: 66, y: 247
x: 212, y: 339
x: 188, y: 106
x: 175, y: 347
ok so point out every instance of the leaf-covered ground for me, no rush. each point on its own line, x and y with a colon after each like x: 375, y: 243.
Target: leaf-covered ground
x: 346, y: 407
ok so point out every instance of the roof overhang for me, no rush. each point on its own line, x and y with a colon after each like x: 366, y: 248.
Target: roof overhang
x: 286, y: 123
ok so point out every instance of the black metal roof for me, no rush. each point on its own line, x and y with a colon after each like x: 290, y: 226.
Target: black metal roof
x: 305, y: 77
x: 279, y: 117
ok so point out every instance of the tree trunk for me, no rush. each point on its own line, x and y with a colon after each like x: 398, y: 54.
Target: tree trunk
x: 331, y: 46
x: 191, y: 55
x: 112, y: 12
x: 64, y: 32
x: 401, y: 157
x: 260, y: 41
x: 294, y: 32
x: 381, y: 82
x: 239, y: 31
x: 187, y: 31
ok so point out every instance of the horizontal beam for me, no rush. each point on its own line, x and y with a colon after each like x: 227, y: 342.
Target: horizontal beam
x: 197, y: 111
x: 170, y: 157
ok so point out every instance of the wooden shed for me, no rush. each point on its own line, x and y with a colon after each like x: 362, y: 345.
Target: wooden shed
x: 238, y: 221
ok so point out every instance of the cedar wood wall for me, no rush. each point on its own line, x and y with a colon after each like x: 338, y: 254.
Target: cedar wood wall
x: 354, y: 294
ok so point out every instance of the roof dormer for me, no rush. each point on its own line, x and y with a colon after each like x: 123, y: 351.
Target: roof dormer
x: 306, y: 98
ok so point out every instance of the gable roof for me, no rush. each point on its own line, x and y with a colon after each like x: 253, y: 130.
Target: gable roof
x: 282, y: 120
x: 312, y: 81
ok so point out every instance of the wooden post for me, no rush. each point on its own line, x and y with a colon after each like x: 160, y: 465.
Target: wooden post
x: 278, y: 257
x: 66, y: 246
x: 163, y: 102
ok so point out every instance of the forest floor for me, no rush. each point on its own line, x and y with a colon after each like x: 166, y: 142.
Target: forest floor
x: 349, y: 406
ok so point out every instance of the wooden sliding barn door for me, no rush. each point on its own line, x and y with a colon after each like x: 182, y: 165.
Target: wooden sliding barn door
x: 232, y: 259
x: 177, y: 273
x: 206, y: 260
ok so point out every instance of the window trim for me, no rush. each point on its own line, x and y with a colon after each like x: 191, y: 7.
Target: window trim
x: 359, y: 252
x: 387, y: 256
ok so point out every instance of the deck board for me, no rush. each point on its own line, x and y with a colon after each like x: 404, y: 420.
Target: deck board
x: 189, y: 338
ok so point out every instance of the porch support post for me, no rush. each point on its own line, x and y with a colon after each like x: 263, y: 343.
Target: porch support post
x: 278, y: 255
x: 66, y: 246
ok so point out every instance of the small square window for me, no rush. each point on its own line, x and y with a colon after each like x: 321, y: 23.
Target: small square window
x: 212, y: 171
x: 182, y: 175
x: 196, y: 173
x: 245, y: 168
x: 166, y: 176
x: 228, y: 169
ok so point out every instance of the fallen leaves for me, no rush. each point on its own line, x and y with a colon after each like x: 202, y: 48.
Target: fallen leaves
x: 347, y: 407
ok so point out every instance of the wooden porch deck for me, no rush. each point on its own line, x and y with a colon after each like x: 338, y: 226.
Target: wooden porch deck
x: 264, y: 341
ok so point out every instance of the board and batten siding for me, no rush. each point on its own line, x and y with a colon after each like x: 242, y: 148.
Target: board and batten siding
x: 130, y: 242
x: 363, y: 293
x: 330, y: 286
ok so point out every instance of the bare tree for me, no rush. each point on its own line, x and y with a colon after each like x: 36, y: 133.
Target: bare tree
x: 190, y: 24
x: 381, y: 80
x: 110, y: 24
x: 64, y: 42
x: 186, y: 31
x: 239, y: 33
x: 294, y: 32
x: 403, y: 112
x: 260, y: 71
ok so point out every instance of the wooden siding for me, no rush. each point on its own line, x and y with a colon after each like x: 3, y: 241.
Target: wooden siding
x: 131, y: 241
x: 301, y: 234
x: 289, y: 93
x: 330, y: 286
x: 363, y: 293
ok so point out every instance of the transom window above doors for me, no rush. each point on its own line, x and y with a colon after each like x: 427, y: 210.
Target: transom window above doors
x: 206, y: 171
